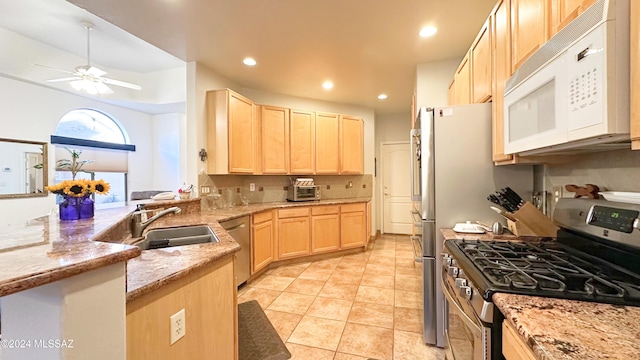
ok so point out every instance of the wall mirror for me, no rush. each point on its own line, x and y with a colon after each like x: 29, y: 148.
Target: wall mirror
x: 23, y: 168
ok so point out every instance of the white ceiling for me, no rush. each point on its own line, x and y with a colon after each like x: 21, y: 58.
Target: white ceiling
x: 365, y: 47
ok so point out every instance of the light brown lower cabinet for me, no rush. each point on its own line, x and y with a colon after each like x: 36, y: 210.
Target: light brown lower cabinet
x: 513, y: 346
x: 352, y: 225
x: 262, y: 233
x: 209, y: 298
x: 294, y: 232
x: 325, y: 228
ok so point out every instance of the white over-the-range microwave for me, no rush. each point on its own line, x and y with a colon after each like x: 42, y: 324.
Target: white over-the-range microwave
x: 572, y: 94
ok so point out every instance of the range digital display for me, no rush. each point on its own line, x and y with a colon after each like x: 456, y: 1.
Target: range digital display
x: 614, y: 219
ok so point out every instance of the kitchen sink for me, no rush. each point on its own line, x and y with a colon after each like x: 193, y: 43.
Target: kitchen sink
x: 178, y: 236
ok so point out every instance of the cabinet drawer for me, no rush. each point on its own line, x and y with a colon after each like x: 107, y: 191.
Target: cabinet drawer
x: 352, y: 207
x: 325, y: 210
x: 262, y: 217
x: 289, y: 213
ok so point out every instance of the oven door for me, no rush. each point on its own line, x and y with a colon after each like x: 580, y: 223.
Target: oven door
x: 465, y: 336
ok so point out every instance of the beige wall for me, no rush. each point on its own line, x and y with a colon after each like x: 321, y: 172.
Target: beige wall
x: 432, y: 82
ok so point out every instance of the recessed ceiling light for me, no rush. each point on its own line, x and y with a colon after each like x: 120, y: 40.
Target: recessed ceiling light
x: 249, y: 61
x: 328, y: 85
x: 382, y: 97
x: 428, y: 31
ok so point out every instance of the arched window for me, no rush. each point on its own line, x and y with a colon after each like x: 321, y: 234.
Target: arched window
x: 92, y: 131
x: 93, y: 125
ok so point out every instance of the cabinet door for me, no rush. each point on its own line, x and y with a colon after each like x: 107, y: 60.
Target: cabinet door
x: 293, y: 237
x: 368, y: 232
x: 564, y: 11
x: 501, y: 73
x: 351, y: 145
x: 262, y: 245
x: 481, y: 65
x: 275, y: 140
x: 513, y: 345
x: 325, y: 229
x: 462, y: 80
x: 242, y: 137
x: 352, y: 226
x: 635, y: 74
x: 327, y: 144
x: 451, y: 93
x: 302, y: 141
x: 528, y: 29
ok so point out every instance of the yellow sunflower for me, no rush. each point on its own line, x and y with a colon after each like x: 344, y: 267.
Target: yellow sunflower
x: 76, y: 188
x: 100, y: 187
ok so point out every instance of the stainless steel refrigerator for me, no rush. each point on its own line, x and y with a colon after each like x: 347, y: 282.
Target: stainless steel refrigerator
x: 452, y: 173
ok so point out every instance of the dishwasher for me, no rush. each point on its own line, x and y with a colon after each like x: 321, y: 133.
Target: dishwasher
x: 240, y: 230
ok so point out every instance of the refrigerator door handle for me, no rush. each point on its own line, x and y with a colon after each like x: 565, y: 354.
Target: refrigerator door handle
x: 430, y: 330
x: 427, y: 164
x: 429, y: 238
x: 416, y: 244
x: 414, y: 165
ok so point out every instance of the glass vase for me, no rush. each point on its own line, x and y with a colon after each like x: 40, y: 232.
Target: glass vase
x: 76, y: 208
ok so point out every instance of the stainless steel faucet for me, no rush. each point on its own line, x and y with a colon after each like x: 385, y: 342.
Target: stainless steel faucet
x: 138, y: 226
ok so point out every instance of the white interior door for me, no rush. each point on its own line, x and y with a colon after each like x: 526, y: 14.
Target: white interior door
x: 396, y: 192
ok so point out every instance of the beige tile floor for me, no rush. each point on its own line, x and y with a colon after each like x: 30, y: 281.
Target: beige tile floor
x: 352, y: 307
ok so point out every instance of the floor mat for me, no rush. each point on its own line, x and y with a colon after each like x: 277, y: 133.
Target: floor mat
x: 257, y: 338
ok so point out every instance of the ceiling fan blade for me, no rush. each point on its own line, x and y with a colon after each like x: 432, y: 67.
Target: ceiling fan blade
x: 71, y: 78
x: 121, y: 83
x: 55, y: 69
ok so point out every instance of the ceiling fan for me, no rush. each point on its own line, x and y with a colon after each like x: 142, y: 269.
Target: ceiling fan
x: 90, y: 78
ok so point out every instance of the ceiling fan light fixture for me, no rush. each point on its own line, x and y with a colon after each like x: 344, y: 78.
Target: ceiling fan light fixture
x: 91, y: 87
x: 382, y: 97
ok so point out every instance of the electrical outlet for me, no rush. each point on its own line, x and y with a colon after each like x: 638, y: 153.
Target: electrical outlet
x: 178, y: 326
x: 252, y: 187
x: 205, y: 189
x: 557, y: 194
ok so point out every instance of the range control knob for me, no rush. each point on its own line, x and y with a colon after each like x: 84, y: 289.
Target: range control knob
x: 453, y: 271
x: 460, y: 282
x: 466, y: 292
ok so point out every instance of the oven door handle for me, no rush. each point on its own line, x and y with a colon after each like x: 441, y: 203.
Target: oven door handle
x: 417, y: 255
x: 468, y: 322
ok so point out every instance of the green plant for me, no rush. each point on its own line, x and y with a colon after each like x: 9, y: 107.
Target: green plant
x: 74, y: 165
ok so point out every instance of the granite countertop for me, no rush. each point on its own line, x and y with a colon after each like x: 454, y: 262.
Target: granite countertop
x: 154, y: 268
x: 45, y: 249
x: 557, y: 329
x: 568, y: 329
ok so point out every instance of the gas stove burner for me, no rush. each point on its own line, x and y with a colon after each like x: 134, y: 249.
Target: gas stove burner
x: 545, y: 269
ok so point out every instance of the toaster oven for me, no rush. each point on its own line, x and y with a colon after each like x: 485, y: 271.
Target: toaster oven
x: 303, y: 193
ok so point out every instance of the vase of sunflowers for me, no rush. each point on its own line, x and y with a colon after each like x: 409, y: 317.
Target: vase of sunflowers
x: 76, y: 194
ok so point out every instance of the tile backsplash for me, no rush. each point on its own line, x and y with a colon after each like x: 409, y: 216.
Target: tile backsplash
x: 613, y: 170
x: 272, y: 188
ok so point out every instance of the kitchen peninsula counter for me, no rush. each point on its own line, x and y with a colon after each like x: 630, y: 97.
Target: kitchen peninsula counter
x: 557, y: 329
x: 46, y: 249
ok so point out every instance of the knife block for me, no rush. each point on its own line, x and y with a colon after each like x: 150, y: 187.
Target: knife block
x: 529, y: 221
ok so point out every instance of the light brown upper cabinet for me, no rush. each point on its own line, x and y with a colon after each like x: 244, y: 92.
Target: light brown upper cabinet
x: 564, y: 11
x: 462, y: 81
x: 529, y: 28
x: 327, y: 152
x: 481, y: 65
x: 302, y: 141
x: 351, y: 145
x: 231, y: 133
x: 451, y: 93
x: 635, y: 74
x: 501, y: 48
x: 274, y: 127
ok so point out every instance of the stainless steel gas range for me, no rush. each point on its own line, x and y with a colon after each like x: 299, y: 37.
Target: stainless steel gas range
x: 596, y: 257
